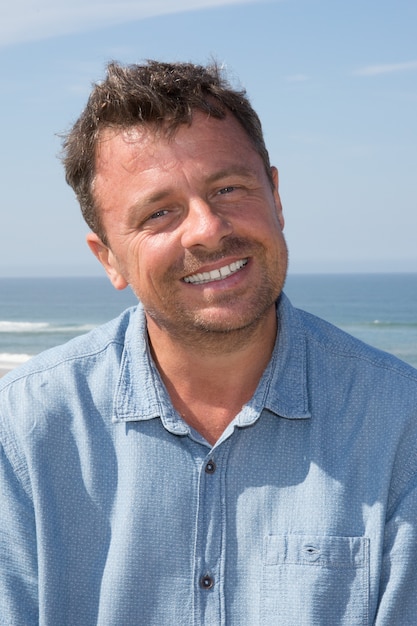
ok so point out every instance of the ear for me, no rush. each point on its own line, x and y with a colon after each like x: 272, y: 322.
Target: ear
x: 275, y: 179
x: 108, y: 261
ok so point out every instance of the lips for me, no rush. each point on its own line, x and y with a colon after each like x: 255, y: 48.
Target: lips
x: 201, y: 278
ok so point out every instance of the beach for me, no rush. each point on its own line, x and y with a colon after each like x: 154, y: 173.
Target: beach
x: 8, y: 362
x: 4, y: 369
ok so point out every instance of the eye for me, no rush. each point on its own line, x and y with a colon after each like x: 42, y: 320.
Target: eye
x: 158, y: 214
x: 226, y: 190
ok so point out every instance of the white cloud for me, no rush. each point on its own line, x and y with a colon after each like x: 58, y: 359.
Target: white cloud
x: 31, y: 20
x: 388, y: 68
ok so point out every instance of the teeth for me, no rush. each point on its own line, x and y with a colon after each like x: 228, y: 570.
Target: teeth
x: 222, y: 272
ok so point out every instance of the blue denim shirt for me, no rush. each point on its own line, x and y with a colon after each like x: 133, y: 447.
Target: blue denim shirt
x: 114, y: 512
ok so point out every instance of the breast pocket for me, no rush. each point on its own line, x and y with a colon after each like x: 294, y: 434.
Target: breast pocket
x: 312, y: 580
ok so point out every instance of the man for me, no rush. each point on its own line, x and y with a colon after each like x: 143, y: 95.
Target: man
x: 214, y: 456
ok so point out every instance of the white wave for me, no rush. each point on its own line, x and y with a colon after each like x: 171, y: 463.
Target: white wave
x: 22, y: 327
x: 8, y: 361
x: 82, y: 328
x: 42, y: 327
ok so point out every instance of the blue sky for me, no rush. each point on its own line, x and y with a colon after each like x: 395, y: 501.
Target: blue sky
x: 335, y: 84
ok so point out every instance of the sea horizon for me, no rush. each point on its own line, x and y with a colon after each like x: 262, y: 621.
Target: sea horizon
x: 37, y: 313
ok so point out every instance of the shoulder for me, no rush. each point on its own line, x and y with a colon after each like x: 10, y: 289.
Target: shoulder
x: 339, y: 366
x: 78, y: 352
x: 352, y: 378
x: 335, y: 344
x: 62, y: 393
x: 356, y: 392
x: 75, y: 378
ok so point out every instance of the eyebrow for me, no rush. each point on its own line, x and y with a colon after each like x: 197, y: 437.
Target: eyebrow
x: 233, y: 170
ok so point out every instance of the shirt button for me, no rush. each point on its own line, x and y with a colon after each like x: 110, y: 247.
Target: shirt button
x: 206, y: 582
x: 210, y: 467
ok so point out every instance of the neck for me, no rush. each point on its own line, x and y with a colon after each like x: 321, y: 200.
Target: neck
x: 209, y: 381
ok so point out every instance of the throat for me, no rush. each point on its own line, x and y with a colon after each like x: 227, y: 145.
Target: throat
x: 211, y: 429
x: 210, y: 376
x: 211, y: 412
x: 209, y: 389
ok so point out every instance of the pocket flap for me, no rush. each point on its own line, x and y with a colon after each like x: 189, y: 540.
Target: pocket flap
x: 325, y: 551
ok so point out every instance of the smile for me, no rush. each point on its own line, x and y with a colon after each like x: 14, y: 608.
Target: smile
x: 219, y: 274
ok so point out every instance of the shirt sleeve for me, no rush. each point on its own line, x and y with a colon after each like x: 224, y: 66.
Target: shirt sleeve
x: 18, y: 560
x: 398, y: 585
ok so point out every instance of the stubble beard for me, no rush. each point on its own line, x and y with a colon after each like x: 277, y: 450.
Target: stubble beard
x: 217, y: 333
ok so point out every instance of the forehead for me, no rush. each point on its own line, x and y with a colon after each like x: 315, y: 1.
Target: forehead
x: 145, y: 143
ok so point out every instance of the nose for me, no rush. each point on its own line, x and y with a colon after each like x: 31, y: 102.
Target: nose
x: 203, y: 226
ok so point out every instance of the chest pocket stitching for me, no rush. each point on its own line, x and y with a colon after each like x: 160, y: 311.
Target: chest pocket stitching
x: 315, y: 550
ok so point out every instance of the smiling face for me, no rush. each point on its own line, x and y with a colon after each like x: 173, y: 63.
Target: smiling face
x: 193, y: 225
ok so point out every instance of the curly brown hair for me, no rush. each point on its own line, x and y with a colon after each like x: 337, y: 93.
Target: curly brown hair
x: 155, y: 93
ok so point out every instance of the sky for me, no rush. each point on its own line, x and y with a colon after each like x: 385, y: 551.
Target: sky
x: 334, y: 83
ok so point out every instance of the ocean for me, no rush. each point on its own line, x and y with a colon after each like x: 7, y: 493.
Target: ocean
x: 38, y: 313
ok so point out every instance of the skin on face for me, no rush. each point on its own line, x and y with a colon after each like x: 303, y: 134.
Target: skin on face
x: 193, y: 226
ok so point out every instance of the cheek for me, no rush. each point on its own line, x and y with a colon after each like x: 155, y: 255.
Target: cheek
x: 265, y: 226
x: 149, y: 260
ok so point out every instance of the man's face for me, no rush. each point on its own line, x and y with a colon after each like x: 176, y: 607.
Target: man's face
x: 192, y: 223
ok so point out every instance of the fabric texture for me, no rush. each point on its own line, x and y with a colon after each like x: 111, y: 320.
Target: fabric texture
x: 115, y: 512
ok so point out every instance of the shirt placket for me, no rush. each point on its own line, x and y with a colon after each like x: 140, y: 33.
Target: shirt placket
x: 210, y: 539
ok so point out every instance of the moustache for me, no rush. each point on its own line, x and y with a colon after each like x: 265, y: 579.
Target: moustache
x: 232, y: 246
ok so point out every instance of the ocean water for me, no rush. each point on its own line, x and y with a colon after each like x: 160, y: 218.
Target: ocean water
x: 380, y: 309
x: 38, y: 313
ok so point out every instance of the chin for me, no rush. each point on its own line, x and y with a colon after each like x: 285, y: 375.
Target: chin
x: 231, y: 321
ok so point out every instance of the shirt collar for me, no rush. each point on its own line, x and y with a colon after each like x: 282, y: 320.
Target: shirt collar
x: 287, y: 393
x: 141, y: 395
